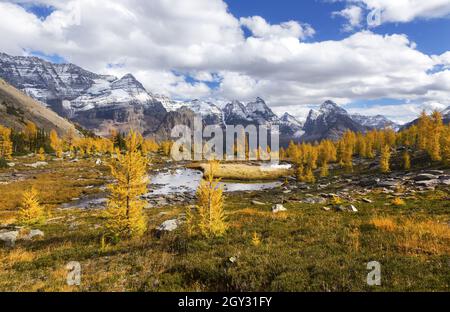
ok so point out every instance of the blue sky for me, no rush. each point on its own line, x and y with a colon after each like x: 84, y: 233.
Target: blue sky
x: 295, y: 54
x: 431, y: 35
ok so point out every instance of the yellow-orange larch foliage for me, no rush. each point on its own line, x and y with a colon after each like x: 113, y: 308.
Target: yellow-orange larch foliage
x: 385, y: 159
x: 6, y: 146
x: 212, y: 220
x: 56, y: 143
x: 31, y: 135
x: 31, y: 212
x: 124, y: 213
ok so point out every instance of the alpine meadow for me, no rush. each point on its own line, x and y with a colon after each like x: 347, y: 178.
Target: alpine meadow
x: 224, y: 146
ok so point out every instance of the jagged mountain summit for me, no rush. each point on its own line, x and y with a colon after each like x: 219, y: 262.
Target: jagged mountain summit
x: 260, y: 113
x: 290, y: 124
x: 329, y: 122
x: 101, y: 102
x: 236, y: 113
x: 375, y: 122
x: 95, y: 101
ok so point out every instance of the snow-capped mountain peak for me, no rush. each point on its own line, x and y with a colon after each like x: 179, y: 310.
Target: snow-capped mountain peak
x: 260, y: 112
x: 290, y: 120
x: 374, y: 122
x: 329, y: 107
x: 203, y: 108
x: 235, y: 111
x: 258, y: 106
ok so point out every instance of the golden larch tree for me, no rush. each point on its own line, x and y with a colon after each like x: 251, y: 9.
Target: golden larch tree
x: 308, y: 177
x: 212, y: 222
x: 406, y: 161
x: 31, y: 212
x: 6, y: 146
x: 324, y: 172
x: 41, y: 154
x: 55, y: 143
x: 30, y: 133
x: 385, y: 159
x: 434, y: 137
x: 124, y: 213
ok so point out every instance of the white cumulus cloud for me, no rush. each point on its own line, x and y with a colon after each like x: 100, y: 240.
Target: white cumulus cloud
x: 165, y: 42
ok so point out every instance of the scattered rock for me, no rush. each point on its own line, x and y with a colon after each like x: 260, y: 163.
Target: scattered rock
x: 428, y: 183
x: 425, y: 177
x: 98, y: 162
x: 342, y: 208
x: 9, y: 238
x: 314, y: 200
x: 168, y: 226
x: 33, y: 234
x: 232, y: 259
x: 326, y: 208
x: 11, y: 165
x: 257, y: 203
x: 388, y: 183
x: 38, y: 164
x: 436, y: 172
x: 278, y: 208
x: 367, y: 182
x: 366, y: 200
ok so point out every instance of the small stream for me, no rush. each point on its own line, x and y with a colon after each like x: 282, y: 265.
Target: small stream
x: 185, y: 180
x: 169, y: 184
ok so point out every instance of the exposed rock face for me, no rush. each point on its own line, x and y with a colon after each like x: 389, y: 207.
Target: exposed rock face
x: 330, y: 122
x: 101, y: 102
x: 236, y: 113
x: 95, y: 101
x: 260, y: 113
x: 183, y: 116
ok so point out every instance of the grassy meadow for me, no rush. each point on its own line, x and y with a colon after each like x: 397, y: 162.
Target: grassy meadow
x: 305, y: 248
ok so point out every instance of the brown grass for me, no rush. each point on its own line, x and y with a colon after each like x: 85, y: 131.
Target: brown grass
x: 386, y: 224
x: 244, y: 172
x: 425, y: 237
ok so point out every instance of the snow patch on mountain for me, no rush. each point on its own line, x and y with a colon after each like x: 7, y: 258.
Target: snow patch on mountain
x: 374, y: 122
x: 105, y: 93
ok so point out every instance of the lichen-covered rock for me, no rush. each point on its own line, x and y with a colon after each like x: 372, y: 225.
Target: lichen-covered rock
x: 278, y: 208
x: 9, y: 238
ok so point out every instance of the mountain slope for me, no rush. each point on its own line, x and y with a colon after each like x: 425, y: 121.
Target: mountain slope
x: 101, y: 102
x: 97, y: 102
x: 374, y: 122
x: 329, y: 122
x: 16, y: 108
